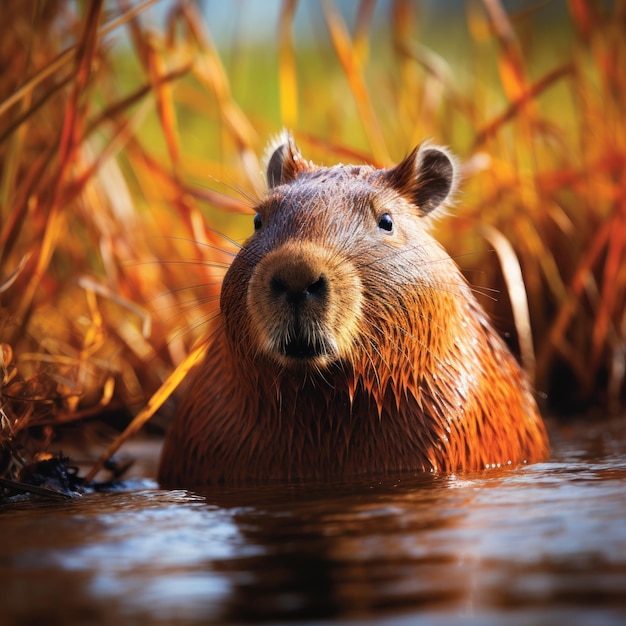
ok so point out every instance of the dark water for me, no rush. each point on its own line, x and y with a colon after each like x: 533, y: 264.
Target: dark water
x: 543, y: 544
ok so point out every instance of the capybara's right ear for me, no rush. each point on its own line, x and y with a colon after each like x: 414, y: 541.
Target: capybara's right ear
x: 427, y: 177
x: 285, y: 162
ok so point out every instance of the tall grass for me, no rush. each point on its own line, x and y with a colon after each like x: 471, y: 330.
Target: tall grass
x: 129, y: 156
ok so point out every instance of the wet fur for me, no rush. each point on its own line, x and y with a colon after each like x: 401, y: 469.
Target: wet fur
x: 419, y: 380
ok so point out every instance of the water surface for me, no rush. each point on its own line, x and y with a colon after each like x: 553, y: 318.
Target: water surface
x: 542, y: 544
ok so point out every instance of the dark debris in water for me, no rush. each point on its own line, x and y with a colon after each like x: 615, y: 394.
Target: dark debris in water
x: 55, y: 477
x: 49, y: 477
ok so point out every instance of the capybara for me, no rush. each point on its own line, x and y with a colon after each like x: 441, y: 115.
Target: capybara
x: 349, y: 343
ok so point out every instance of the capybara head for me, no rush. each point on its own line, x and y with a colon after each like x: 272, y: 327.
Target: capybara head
x: 337, y: 257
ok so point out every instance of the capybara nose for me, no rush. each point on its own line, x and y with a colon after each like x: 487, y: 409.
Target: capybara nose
x: 299, y: 289
x: 298, y: 281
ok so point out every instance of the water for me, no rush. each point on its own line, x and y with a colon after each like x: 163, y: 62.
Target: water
x: 543, y: 544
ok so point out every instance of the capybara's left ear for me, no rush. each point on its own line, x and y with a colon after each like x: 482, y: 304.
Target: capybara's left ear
x: 427, y: 177
x: 285, y: 162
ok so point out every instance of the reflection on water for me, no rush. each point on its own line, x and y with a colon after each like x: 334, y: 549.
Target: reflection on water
x: 544, y: 544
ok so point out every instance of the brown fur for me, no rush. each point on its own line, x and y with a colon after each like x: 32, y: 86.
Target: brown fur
x: 345, y: 349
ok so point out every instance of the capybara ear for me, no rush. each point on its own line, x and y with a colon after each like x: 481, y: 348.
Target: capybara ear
x: 285, y: 162
x: 427, y: 177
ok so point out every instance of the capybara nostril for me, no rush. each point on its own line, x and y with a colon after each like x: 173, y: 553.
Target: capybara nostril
x: 297, y: 291
x: 317, y: 289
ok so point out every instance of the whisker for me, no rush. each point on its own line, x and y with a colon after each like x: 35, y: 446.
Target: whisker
x: 203, y: 244
x: 483, y: 291
x: 183, y: 311
x: 236, y: 188
x: 204, y: 320
x: 176, y: 290
x: 220, y: 199
x: 223, y: 235
x: 196, y: 262
x: 188, y: 305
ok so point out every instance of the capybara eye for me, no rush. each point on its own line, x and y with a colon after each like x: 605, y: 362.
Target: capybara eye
x: 385, y: 222
x: 257, y: 222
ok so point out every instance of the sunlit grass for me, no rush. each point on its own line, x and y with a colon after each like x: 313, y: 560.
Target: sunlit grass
x: 121, y: 137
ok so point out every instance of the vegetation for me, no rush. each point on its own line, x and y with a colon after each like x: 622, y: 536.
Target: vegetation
x: 129, y: 165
